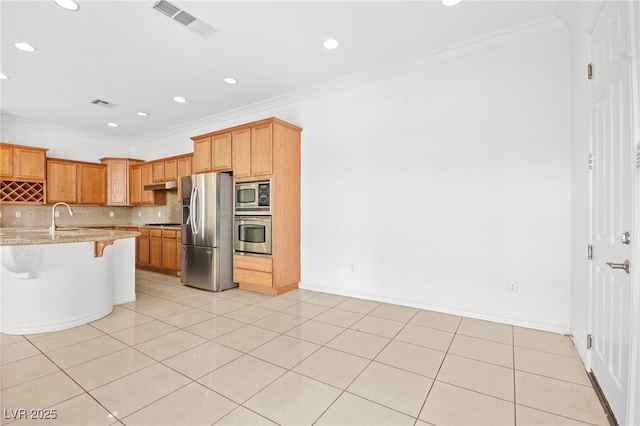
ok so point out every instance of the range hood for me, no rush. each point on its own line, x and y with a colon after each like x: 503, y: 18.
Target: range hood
x: 171, y: 184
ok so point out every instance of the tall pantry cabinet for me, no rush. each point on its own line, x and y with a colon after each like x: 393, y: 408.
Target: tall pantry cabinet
x: 266, y: 149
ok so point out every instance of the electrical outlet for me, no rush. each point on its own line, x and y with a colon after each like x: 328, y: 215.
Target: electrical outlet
x: 352, y: 267
x: 159, y: 214
x: 512, y: 286
x: 57, y: 213
x: 139, y: 214
x: 111, y: 214
x: 18, y: 214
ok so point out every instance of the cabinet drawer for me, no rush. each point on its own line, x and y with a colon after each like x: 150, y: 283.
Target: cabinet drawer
x: 246, y: 276
x: 144, y: 231
x: 262, y: 264
x: 155, y: 232
x: 169, y: 233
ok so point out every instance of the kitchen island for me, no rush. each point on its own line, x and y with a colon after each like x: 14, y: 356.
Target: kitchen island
x: 56, y: 282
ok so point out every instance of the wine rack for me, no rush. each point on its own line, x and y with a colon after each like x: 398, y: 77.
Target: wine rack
x: 22, y: 192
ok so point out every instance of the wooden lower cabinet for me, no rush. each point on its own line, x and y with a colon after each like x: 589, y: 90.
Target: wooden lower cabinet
x: 169, y: 249
x: 155, y: 247
x: 158, y: 249
x: 142, y: 250
x: 256, y: 273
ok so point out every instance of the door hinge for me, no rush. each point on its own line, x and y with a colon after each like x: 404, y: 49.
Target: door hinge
x: 589, y: 341
x: 591, y: 161
x: 590, y: 252
x: 589, y: 71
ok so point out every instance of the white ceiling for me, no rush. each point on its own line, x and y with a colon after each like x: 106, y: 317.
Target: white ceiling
x: 126, y: 53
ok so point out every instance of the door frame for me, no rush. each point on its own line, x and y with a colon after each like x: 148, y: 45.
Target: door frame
x: 633, y: 405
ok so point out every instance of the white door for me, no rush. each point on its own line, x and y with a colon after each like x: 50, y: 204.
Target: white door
x: 612, y: 204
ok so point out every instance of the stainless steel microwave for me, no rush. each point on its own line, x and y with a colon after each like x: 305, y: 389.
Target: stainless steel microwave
x: 253, y: 198
x: 252, y: 234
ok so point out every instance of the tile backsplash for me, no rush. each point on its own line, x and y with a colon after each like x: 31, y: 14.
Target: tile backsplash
x: 26, y: 215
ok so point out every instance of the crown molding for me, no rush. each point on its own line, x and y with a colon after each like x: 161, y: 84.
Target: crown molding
x: 20, y: 122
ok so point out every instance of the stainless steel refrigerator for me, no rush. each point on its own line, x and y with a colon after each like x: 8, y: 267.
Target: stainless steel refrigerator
x: 207, y: 231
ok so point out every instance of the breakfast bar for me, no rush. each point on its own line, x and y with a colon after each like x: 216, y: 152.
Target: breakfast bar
x: 59, y: 281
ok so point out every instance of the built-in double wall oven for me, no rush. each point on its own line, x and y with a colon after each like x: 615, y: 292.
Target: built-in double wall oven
x: 252, y: 219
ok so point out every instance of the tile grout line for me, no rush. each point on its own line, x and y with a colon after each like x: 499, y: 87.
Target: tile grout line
x: 290, y: 369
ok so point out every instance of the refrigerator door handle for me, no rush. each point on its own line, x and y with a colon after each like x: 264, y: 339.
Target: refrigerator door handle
x: 194, y: 213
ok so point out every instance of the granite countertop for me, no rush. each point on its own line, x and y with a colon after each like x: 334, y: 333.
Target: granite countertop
x: 27, y: 236
x: 138, y: 225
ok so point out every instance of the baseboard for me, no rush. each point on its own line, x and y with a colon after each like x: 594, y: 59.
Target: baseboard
x: 603, y: 400
x: 414, y: 304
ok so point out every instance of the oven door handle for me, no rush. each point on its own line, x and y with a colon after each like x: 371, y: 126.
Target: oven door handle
x: 265, y: 219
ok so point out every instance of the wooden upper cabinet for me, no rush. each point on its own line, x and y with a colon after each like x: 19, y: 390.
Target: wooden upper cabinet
x: 147, y: 178
x: 62, y: 181
x: 141, y: 175
x: 158, y: 171
x: 241, y: 153
x: 184, y: 169
x: 6, y: 161
x: 221, y: 157
x: 262, y: 150
x: 118, y: 180
x: 92, y: 184
x: 212, y: 153
x: 22, y: 162
x: 135, y: 184
x: 76, y: 182
x: 253, y: 151
x: 202, y: 152
x: 170, y: 169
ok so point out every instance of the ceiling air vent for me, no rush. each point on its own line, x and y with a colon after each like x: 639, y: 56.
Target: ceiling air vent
x: 102, y: 103
x: 183, y: 18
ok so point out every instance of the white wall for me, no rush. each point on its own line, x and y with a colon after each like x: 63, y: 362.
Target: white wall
x: 444, y: 184
x: 440, y: 185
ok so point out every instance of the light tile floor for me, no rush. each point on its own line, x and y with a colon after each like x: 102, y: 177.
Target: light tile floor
x: 183, y: 356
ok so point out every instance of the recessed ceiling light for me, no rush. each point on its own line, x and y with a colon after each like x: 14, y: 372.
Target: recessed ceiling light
x: 25, y: 47
x: 112, y: 124
x: 67, y: 4
x: 142, y: 114
x: 450, y: 2
x: 3, y: 77
x: 331, y: 43
x: 180, y: 99
x: 230, y: 80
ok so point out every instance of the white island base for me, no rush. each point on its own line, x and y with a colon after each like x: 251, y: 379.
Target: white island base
x: 50, y: 287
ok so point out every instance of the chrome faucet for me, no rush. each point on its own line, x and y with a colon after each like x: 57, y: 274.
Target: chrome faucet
x: 52, y: 228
